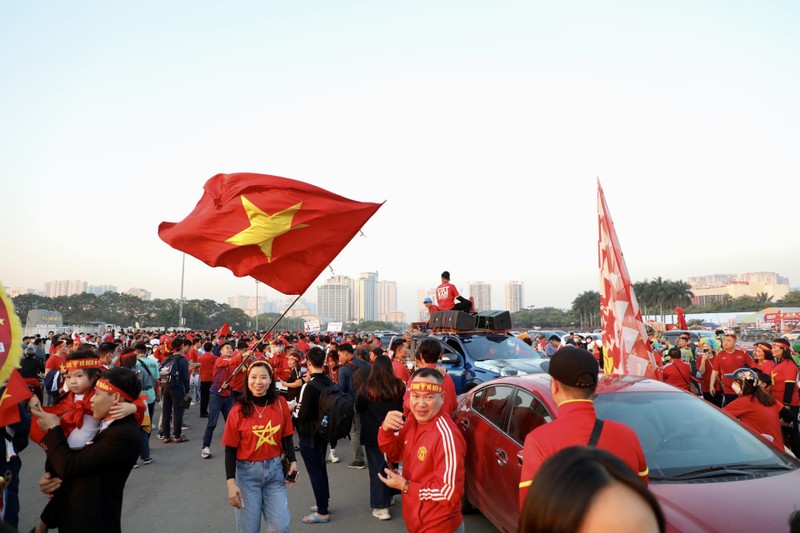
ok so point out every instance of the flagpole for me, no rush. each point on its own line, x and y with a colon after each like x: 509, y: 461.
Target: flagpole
x: 244, y: 362
x: 180, y: 306
x: 258, y: 306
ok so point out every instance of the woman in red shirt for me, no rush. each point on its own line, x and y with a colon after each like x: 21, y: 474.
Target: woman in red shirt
x: 756, y: 408
x: 784, y: 389
x: 257, y: 433
x: 708, y: 349
x: 762, y: 354
x: 678, y: 373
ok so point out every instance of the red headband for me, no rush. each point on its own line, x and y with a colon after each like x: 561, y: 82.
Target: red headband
x: 80, y: 364
x: 106, y: 386
x: 424, y: 386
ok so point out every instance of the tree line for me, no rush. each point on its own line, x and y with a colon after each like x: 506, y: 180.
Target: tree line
x: 125, y: 310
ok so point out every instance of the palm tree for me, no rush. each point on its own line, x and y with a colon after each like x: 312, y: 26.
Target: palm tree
x: 586, y: 307
x: 763, y: 300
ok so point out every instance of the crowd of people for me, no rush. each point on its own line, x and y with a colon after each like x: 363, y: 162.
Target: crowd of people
x: 94, y: 412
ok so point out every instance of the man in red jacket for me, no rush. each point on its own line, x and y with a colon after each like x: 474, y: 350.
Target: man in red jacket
x: 573, y: 380
x: 432, y: 451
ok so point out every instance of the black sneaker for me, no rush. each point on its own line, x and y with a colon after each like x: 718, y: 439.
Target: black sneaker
x: 357, y: 464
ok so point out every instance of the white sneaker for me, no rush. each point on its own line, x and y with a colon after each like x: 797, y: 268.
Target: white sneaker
x: 332, y: 457
x: 381, y: 514
x: 206, y: 453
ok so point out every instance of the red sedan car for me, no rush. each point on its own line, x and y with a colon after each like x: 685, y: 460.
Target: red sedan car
x: 708, y: 472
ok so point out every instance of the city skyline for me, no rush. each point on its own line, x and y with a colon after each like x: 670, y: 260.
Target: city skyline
x: 708, y: 287
x: 483, y: 126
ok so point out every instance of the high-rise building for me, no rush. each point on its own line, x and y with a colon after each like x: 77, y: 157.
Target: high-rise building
x: 482, y: 294
x: 514, y: 299
x: 97, y: 290
x: 335, y: 299
x: 249, y: 304
x: 140, y: 293
x: 19, y: 291
x: 53, y: 289
x: 387, y: 299
x: 366, y: 297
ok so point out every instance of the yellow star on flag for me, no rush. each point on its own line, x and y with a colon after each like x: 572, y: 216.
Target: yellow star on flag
x: 5, y: 395
x: 265, y: 228
x: 267, y: 434
x: 2, y: 321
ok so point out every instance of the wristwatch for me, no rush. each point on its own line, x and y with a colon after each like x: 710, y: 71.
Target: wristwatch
x: 405, y: 487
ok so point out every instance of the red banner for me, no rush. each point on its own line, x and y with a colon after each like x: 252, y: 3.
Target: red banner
x: 624, y: 334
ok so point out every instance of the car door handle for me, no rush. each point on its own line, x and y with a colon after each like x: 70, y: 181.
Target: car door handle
x: 519, y: 458
x: 502, y: 457
x: 465, y: 423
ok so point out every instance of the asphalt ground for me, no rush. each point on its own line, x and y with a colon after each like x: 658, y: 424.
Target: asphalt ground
x: 180, y: 492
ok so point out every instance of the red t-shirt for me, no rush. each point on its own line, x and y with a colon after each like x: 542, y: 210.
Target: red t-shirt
x: 193, y: 356
x: 784, y: 372
x: 207, y: 361
x: 280, y: 367
x: 445, y: 295
x: 258, y: 437
x: 766, y: 366
x: 56, y: 362
x: 726, y: 363
x: 237, y: 382
x: 400, y: 370
x: 705, y: 380
x: 678, y: 374
x: 573, y: 427
x: 760, y: 418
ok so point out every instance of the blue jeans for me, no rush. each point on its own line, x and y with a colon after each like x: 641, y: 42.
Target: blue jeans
x: 264, y: 494
x: 313, y: 452
x: 11, y: 510
x: 216, y: 404
x: 145, y: 444
x: 379, y: 493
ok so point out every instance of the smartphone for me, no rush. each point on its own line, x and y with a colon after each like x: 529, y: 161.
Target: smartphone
x: 291, y: 478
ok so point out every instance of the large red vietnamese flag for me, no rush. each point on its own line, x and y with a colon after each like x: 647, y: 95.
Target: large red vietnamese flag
x: 624, y: 335
x: 277, y: 230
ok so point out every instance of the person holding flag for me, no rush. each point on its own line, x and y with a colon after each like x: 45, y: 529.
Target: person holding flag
x: 15, y: 424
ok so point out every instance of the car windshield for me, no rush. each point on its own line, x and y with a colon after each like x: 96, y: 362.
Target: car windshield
x: 493, y: 347
x: 682, y: 435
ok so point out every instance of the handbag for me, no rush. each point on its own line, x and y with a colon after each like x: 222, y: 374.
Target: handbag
x: 186, y: 402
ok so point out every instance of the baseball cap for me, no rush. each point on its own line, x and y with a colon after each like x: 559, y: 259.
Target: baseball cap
x: 574, y: 367
x: 743, y: 373
x: 427, y: 301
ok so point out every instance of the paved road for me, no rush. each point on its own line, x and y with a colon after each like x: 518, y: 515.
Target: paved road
x: 180, y: 492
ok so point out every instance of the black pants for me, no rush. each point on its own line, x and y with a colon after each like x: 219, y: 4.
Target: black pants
x: 791, y: 435
x: 205, y: 387
x: 716, y: 399
x: 313, y: 450
x: 172, y: 406
x: 463, y: 305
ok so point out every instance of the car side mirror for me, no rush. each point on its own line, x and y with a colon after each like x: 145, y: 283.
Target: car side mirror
x: 545, y: 365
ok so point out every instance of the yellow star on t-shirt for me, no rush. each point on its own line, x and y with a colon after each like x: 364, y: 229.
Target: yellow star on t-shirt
x: 265, y: 228
x: 267, y: 434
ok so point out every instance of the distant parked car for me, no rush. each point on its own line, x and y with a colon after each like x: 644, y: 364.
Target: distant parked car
x: 793, y: 335
x: 695, y: 335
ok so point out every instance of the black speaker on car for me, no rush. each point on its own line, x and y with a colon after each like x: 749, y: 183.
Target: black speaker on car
x: 457, y: 320
x: 494, y: 320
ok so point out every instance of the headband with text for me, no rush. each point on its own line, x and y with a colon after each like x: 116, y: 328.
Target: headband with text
x: 423, y: 386
x: 106, y: 386
x: 81, y: 364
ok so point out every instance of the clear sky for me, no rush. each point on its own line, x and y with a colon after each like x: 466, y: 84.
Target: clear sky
x: 484, y: 126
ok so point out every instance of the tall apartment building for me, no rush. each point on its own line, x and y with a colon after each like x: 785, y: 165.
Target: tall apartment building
x: 482, y: 294
x: 335, y: 299
x: 97, y: 290
x: 53, y: 289
x: 366, y: 296
x: 514, y: 298
x: 249, y: 304
x: 387, y: 299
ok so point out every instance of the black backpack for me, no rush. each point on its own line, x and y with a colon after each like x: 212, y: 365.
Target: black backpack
x: 335, y: 416
x: 168, y: 372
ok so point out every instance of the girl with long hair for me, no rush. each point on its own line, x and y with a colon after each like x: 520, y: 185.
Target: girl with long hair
x: 762, y: 355
x: 784, y: 389
x: 381, y: 392
x: 258, y: 432
x: 755, y: 407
